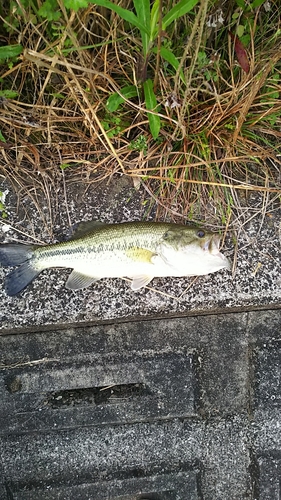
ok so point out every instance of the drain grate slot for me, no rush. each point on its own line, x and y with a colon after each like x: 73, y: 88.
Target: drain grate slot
x: 96, y: 395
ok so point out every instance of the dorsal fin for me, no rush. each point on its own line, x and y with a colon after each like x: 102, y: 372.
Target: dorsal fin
x: 82, y: 228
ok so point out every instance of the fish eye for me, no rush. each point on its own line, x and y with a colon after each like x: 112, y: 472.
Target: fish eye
x: 200, y: 233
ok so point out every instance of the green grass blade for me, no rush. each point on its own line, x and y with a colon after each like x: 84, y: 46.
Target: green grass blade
x: 171, y: 59
x: 127, y: 15
x: 2, y: 138
x: 180, y: 9
x: 142, y: 8
x: 151, y: 103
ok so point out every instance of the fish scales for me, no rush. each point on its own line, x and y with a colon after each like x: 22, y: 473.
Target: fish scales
x: 138, y: 250
x: 117, y: 242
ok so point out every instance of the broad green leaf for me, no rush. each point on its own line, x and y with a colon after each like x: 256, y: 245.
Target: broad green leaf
x: 241, y: 4
x: 240, y: 30
x: 142, y: 8
x: 115, y: 99
x: 171, y: 59
x: 10, y: 51
x: 124, y: 13
x: 245, y: 40
x: 257, y: 3
x: 151, y: 103
x: 180, y: 9
x: 143, y: 12
x: 49, y: 10
x: 154, y: 17
x: 76, y: 4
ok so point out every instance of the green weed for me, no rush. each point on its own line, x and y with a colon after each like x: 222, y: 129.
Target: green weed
x: 139, y: 144
x: 151, y: 24
x: 2, y: 138
x: 192, y: 85
x: 113, y: 125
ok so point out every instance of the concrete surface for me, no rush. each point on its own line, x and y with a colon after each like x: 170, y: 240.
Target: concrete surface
x: 164, y: 409
x: 170, y: 393
x: 256, y: 279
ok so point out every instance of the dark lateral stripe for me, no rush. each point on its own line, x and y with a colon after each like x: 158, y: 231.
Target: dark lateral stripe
x: 70, y: 250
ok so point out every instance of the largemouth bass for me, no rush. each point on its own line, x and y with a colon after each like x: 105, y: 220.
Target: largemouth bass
x: 137, y: 250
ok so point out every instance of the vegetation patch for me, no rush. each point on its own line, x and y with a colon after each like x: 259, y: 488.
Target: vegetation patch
x: 182, y: 96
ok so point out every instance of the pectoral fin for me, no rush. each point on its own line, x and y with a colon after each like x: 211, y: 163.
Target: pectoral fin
x: 140, y: 254
x: 77, y: 281
x: 140, y: 281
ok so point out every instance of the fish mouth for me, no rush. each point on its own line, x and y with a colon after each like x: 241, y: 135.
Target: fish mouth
x: 213, y: 246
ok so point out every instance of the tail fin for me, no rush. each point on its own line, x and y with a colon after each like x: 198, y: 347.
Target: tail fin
x: 18, y: 255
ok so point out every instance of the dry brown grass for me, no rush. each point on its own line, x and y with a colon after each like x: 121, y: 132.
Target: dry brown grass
x: 220, y: 141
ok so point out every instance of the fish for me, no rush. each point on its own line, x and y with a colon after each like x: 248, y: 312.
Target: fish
x: 140, y: 251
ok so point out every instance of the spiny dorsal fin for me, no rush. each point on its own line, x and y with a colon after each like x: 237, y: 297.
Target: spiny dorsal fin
x: 83, y: 228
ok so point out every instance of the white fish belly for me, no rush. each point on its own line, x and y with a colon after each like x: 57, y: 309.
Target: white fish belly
x: 118, y: 264
x: 157, y: 268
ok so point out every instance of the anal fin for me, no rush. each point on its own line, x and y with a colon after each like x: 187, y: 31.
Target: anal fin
x: 77, y: 281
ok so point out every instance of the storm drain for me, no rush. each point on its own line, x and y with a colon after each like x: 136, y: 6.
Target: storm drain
x: 165, y: 409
